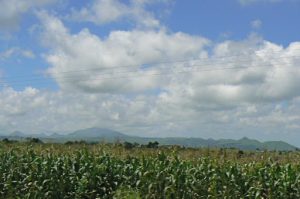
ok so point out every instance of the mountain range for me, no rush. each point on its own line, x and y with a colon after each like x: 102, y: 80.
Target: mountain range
x: 107, y: 135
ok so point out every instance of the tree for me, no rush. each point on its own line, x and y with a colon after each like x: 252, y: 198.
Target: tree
x: 34, y: 140
x: 128, y: 145
x: 152, y: 144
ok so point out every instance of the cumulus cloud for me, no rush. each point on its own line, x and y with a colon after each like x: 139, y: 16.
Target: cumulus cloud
x: 14, y: 103
x: 98, y: 60
x: 249, y: 71
x: 33, y: 110
x: 36, y: 111
x: 263, y: 73
x: 248, y: 87
x: 11, y: 11
x: 107, y: 11
x: 159, y: 83
x: 221, y: 87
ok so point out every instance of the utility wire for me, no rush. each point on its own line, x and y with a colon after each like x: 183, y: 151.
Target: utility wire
x: 165, y: 72
x: 156, y: 63
x: 143, y: 75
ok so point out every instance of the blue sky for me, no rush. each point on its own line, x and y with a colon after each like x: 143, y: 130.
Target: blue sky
x: 83, y: 63
x: 215, y: 20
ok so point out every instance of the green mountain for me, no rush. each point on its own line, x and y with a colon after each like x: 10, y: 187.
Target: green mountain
x: 278, y: 145
x: 251, y: 144
x: 107, y: 135
x: 96, y: 133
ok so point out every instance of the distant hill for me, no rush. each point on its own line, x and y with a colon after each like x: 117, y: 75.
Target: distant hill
x: 96, y: 133
x: 278, y: 145
x: 251, y: 144
x: 107, y: 135
x: 244, y: 143
x: 17, y: 134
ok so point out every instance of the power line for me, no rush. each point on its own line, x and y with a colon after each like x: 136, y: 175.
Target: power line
x: 143, y: 75
x: 166, y: 72
x: 156, y: 63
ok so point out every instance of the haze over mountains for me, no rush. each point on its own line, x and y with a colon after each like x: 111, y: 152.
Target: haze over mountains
x: 107, y: 135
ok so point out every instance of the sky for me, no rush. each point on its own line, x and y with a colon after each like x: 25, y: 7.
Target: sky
x: 152, y: 68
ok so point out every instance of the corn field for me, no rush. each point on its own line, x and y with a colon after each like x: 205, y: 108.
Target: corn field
x: 83, y: 174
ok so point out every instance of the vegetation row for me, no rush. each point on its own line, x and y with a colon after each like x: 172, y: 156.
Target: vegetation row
x: 83, y: 174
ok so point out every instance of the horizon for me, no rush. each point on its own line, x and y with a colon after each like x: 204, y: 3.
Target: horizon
x: 166, y: 137
x: 160, y: 68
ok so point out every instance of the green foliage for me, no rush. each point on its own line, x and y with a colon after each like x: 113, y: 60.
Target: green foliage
x: 152, y: 144
x: 81, y: 142
x: 83, y: 173
x: 126, y: 193
x: 8, y: 141
x: 34, y: 140
x: 129, y: 145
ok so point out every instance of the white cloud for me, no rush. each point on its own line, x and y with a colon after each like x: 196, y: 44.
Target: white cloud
x: 16, y: 51
x: 32, y: 110
x: 85, y: 51
x: 28, y: 54
x: 260, y: 101
x: 248, y: 2
x: 92, y: 55
x: 36, y: 111
x: 15, y: 103
x: 107, y: 11
x: 256, y: 24
x: 226, y: 89
x: 11, y: 11
x: 101, y: 11
x: 263, y: 73
x: 237, y: 87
